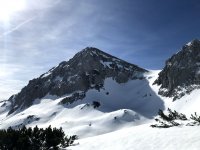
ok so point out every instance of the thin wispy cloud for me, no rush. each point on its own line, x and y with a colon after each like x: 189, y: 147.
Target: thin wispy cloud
x: 18, y: 26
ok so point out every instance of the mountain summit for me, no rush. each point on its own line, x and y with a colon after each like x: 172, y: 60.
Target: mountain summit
x: 88, y: 69
x: 181, y: 73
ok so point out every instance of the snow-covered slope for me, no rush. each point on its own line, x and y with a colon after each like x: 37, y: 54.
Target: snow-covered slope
x: 187, y: 104
x: 144, y: 138
x: 121, y: 105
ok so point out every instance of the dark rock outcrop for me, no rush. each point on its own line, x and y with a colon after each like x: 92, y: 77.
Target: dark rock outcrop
x: 86, y: 70
x: 181, y: 74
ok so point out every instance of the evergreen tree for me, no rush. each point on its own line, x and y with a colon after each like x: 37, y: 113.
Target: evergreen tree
x: 34, y: 139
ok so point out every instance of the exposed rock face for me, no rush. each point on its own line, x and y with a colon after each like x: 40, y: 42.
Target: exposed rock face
x: 86, y: 70
x: 181, y: 74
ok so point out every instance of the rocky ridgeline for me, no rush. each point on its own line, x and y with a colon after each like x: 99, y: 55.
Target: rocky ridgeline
x: 86, y: 70
x: 181, y: 73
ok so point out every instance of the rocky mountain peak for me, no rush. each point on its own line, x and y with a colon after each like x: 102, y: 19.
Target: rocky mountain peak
x: 181, y: 73
x: 193, y: 43
x: 94, y: 53
x: 90, y: 50
x: 88, y: 69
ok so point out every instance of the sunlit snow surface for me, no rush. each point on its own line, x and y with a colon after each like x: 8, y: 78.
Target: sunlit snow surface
x: 121, y: 122
x: 144, y: 137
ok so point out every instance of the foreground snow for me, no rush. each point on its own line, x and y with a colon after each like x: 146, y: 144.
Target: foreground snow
x: 144, y: 137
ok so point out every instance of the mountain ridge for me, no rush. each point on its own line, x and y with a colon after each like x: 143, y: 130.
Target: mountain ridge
x: 181, y: 75
x: 86, y: 70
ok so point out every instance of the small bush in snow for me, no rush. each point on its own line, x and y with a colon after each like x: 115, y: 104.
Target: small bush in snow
x: 96, y: 104
x: 176, y: 116
x: 173, y: 118
x: 169, y: 120
x: 195, y: 120
x: 195, y: 117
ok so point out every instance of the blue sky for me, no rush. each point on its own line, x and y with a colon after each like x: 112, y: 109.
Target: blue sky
x: 44, y: 33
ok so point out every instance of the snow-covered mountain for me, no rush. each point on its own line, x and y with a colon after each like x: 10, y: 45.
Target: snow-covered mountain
x: 110, y: 103
x: 87, y: 70
x: 181, y: 75
x: 66, y: 96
